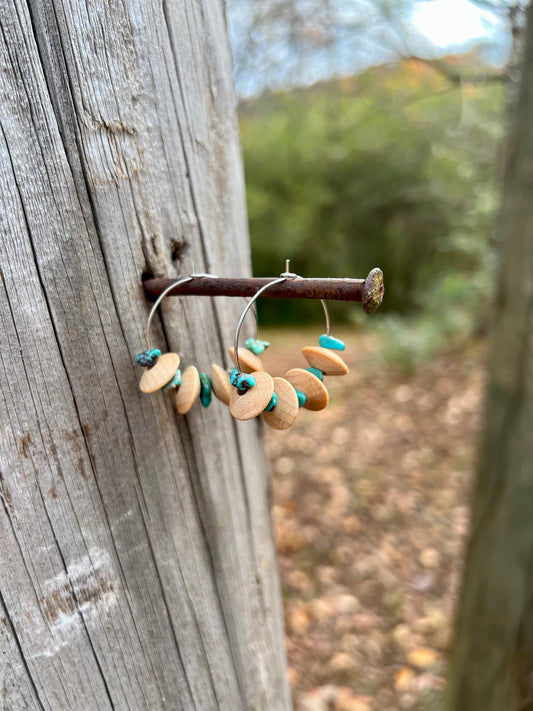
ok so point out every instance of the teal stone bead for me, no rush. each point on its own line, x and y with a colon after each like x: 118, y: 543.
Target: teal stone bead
x: 272, y: 404
x: 233, y: 376
x: 244, y: 382
x: 334, y: 344
x: 147, y: 358
x: 315, y: 371
x: 206, y: 392
x: 301, y: 398
x: 256, y: 346
x: 174, y: 383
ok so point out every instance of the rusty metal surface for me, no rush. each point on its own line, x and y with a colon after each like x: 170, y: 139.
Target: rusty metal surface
x: 368, y: 291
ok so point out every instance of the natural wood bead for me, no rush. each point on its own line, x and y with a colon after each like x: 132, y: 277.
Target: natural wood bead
x: 326, y: 360
x: 159, y: 374
x: 249, y: 362
x: 189, y: 390
x: 286, y: 410
x: 316, y: 394
x: 253, y: 401
x: 221, y: 384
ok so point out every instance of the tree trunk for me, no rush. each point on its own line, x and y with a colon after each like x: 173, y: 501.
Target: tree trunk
x: 492, y: 663
x: 137, y: 560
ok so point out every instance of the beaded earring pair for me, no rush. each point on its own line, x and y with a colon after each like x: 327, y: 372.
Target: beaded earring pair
x: 248, y: 389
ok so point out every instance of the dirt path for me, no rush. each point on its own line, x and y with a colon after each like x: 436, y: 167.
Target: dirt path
x: 371, y: 511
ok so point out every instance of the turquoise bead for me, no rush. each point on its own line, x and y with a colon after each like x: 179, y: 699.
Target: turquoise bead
x: 233, y: 376
x: 205, y: 390
x: 315, y: 371
x: 174, y: 383
x: 301, y: 398
x: 147, y: 358
x: 256, y: 346
x: 244, y: 382
x: 334, y: 344
x: 272, y: 404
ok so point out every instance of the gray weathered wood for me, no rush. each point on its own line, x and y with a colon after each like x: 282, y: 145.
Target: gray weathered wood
x: 137, y: 562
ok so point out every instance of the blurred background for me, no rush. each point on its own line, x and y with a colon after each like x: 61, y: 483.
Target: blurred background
x: 373, y: 135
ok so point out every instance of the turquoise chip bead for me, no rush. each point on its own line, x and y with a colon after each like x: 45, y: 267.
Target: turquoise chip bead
x: 334, y: 344
x: 206, y: 393
x: 256, y: 346
x: 147, y: 358
x: 301, y: 398
x: 315, y: 371
x: 272, y: 404
x: 174, y: 383
x: 241, y: 381
x: 244, y: 382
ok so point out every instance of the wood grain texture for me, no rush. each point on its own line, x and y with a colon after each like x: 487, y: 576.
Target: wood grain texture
x: 326, y: 360
x: 156, y: 377
x: 137, y: 563
x: 220, y: 383
x: 286, y: 410
x: 248, y: 361
x: 250, y: 404
x: 189, y: 390
x: 316, y: 393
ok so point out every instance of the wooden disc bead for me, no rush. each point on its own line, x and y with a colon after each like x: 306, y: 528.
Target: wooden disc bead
x: 159, y: 374
x: 253, y: 401
x: 316, y: 394
x: 249, y: 362
x: 285, y: 412
x: 189, y: 390
x: 221, y: 384
x: 329, y: 362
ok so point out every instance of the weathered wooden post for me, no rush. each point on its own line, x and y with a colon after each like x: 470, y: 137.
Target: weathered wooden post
x: 137, y: 562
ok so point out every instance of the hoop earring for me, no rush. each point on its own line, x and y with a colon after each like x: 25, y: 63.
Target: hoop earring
x: 279, y: 399
x: 220, y: 378
x: 162, y: 371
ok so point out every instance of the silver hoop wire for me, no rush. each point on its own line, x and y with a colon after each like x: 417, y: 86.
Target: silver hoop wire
x: 326, y: 314
x: 162, y: 296
x: 283, y: 277
x: 256, y: 320
x: 243, y: 316
x: 290, y: 275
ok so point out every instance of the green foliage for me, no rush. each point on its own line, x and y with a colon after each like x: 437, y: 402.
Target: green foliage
x: 393, y: 168
x: 453, y: 312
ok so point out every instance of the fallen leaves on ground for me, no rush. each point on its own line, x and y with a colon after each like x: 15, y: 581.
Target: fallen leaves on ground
x: 371, y: 512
